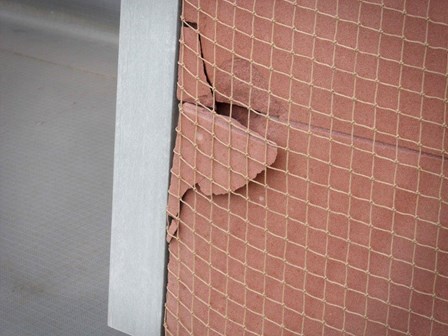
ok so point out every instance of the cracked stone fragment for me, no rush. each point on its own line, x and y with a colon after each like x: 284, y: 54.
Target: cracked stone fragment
x: 237, y: 65
x: 215, y: 152
x: 191, y: 66
x: 190, y: 10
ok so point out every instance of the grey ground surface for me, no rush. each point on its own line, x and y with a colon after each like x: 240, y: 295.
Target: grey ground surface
x: 57, y: 113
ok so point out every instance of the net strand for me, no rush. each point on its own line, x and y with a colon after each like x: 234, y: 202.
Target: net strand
x: 346, y: 232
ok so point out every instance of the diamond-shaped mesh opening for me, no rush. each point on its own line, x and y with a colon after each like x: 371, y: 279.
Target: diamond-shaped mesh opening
x: 309, y: 190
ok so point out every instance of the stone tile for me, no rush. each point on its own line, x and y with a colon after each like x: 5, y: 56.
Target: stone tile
x: 373, y: 251
x: 349, y: 222
x: 216, y: 153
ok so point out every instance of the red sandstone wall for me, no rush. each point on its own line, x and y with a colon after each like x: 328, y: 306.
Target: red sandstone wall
x: 309, y: 186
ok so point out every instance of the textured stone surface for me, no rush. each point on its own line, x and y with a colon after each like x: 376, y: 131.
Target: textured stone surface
x: 190, y: 89
x: 315, y: 76
x: 347, y: 231
x: 237, y: 255
x: 190, y: 11
x: 215, y: 152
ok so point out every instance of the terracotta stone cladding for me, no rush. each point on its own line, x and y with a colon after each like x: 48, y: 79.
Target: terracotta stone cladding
x: 309, y: 188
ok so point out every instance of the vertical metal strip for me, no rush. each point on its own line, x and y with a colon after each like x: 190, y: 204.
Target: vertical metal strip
x: 146, y: 110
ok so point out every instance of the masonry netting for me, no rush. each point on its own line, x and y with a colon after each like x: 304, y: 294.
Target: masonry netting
x: 309, y: 188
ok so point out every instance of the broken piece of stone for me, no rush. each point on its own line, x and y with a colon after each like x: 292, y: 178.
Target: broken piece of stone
x: 172, y: 229
x: 237, y: 65
x: 192, y: 83
x: 190, y: 10
x: 215, y: 152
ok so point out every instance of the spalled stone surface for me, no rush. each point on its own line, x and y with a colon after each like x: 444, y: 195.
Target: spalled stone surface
x: 347, y: 231
x: 215, y: 152
x: 190, y: 89
x: 307, y: 246
x: 190, y: 10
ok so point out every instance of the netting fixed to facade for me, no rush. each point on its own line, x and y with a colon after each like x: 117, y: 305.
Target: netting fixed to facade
x: 309, y: 189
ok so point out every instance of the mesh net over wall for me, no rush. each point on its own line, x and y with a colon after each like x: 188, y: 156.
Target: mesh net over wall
x: 309, y: 189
